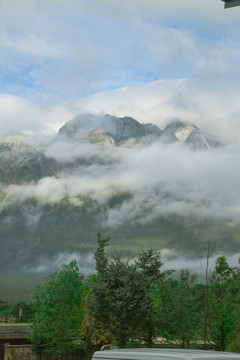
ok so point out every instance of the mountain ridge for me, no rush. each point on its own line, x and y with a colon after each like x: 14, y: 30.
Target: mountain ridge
x: 23, y: 159
x: 121, y: 129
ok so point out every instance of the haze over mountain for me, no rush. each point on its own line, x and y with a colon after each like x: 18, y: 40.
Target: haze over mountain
x: 25, y: 159
x: 141, y: 185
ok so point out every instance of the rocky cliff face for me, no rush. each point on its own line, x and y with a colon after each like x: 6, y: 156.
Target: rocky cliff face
x: 188, y: 134
x: 119, y: 129
x: 116, y: 131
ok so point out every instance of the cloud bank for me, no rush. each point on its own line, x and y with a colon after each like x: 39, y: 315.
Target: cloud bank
x: 163, y: 179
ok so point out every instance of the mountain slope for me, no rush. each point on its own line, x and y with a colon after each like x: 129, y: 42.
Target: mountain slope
x: 188, y: 134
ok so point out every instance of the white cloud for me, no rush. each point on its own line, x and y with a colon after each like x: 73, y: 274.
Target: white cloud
x: 19, y: 114
x: 210, y: 103
x: 63, y: 49
x: 65, y: 151
x: 163, y: 180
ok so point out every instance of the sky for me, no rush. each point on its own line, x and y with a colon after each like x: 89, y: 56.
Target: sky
x: 154, y: 60
x: 150, y: 59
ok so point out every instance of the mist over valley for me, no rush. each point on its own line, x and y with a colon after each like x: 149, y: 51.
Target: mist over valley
x: 143, y: 186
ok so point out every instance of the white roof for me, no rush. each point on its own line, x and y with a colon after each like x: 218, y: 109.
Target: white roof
x: 164, y: 354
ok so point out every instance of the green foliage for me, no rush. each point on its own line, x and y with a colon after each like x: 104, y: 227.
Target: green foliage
x: 223, y: 316
x: 180, y: 318
x: 234, y: 344
x: 57, y: 305
x: 118, y: 297
x: 99, y: 255
x: 123, y: 294
x: 19, y: 312
x: 149, y: 262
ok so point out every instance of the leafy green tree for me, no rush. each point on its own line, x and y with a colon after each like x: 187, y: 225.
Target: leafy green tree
x: 149, y: 262
x: 224, y: 291
x: 57, y: 306
x: 119, y: 299
x: 121, y: 296
x: 91, y: 334
x: 180, y: 318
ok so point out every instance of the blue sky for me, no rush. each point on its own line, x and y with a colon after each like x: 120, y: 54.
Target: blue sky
x: 56, y: 56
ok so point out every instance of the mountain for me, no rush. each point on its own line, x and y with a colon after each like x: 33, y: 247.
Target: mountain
x: 22, y: 160
x: 188, y: 134
x: 119, y: 129
x: 56, y: 196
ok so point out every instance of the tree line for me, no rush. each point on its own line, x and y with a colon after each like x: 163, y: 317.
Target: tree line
x: 131, y: 303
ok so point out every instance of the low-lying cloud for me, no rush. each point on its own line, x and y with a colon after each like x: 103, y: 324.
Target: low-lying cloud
x: 162, y: 179
x: 66, y: 151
